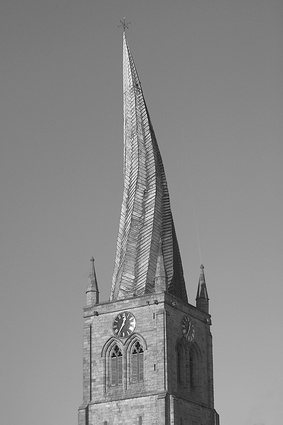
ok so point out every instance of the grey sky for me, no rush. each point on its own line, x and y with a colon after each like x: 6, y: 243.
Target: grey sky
x: 212, y: 77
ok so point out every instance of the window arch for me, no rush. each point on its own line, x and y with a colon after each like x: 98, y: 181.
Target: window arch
x: 116, y: 366
x: 137, y: 362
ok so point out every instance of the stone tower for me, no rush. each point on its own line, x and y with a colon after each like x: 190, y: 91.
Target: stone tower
x: 147, y: 353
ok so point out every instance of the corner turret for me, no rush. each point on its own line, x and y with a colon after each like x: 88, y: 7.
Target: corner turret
x: 202, y: 300
x: 92, y: 292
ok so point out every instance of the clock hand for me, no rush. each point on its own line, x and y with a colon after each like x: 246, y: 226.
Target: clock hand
x: 124, y: 319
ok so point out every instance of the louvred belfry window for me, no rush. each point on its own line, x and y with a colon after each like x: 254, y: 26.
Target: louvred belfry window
x: 137, y: 363
x: 193, y: 370
x: 179, y: 372
x: 116, y: 366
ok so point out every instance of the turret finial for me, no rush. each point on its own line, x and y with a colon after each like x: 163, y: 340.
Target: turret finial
x: 92, y: 292
x: 202, y: 300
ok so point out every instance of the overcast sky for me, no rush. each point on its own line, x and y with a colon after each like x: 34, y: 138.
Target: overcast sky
x: 211, y: 72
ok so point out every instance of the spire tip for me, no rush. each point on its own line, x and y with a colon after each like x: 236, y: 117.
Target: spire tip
x: 124, y: 24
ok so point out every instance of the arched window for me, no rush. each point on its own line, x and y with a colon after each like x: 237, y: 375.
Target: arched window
x: 179, y: 366
x: 181, y: 372
x: 194, y: 367
x: 137, y: 362
x: 116, y: 366
x: 191, y: 370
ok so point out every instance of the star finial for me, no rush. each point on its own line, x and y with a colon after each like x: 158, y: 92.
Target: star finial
x: 124, y: 24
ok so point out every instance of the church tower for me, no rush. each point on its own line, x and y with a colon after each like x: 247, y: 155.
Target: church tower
x: 147, y: 353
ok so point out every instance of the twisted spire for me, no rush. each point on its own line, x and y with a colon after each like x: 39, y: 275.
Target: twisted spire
x: 147, y: 254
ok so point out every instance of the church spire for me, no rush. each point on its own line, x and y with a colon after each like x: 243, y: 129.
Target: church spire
x: 202, y: 300
x: 92, y: 292
x: 147, y: 254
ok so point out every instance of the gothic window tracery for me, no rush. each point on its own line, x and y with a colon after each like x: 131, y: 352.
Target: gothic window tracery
x: 116, y: 366
x: 137, y: 363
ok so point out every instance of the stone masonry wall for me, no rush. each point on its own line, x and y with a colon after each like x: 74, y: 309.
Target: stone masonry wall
x: 158, y: 329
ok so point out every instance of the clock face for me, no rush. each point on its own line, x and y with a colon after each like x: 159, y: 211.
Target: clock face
x: 124, y: 324
x: 188, y: 329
